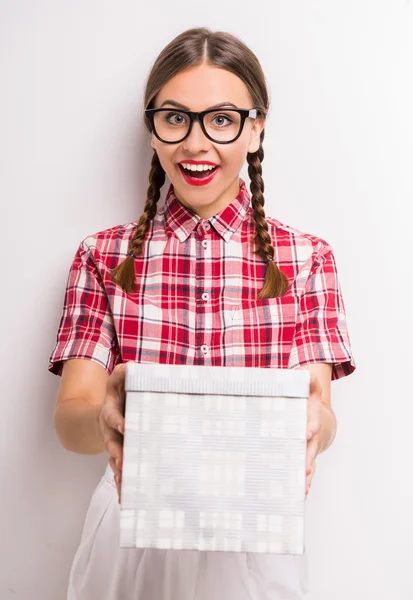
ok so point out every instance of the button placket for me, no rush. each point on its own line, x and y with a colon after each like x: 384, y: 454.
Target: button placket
x: 203, y: 230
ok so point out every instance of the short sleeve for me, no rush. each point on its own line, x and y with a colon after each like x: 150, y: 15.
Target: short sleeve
x: 86, y: 327
x: 321, y: 334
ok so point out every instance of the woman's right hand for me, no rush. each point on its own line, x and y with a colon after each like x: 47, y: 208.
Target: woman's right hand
x: 112, y: 421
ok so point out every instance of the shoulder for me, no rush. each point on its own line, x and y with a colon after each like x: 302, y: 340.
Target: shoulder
x: 105, y: 246
x: 104, y: 239
x: 302, y: 244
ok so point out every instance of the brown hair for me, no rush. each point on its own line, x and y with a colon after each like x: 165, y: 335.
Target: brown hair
x: 192, y: 48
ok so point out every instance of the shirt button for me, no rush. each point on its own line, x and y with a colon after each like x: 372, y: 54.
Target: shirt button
x: 205, y: 296
x: 206, y: 226
x: 204, y: 243
x: 204, y: 348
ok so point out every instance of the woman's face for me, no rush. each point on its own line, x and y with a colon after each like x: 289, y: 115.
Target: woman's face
x: 200, y: 88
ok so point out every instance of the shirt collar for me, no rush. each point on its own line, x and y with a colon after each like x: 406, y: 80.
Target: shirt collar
x: 181, y: 221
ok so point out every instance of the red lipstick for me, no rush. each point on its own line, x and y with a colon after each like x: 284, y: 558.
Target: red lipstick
x: 198, y: 180
x: 198, y: 162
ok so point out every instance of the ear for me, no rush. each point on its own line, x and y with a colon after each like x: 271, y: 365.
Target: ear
x: 255, y: 141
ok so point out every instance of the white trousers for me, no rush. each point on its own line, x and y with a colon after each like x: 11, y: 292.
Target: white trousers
x: 101, y: 570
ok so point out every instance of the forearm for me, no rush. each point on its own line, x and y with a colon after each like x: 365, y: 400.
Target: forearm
x: 77, y: 426
x: 328, y: 427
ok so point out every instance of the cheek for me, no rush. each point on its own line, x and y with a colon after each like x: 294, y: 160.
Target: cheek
x: 165, y: 156
x: 233, y: 156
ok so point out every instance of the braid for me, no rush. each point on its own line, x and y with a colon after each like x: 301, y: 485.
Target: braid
x: 276, y: 282
x: 124, y: 274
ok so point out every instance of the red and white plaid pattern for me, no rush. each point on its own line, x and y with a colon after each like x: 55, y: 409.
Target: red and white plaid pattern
x: 195, y: 300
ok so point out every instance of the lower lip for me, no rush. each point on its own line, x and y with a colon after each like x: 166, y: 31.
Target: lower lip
x: 195, y: 181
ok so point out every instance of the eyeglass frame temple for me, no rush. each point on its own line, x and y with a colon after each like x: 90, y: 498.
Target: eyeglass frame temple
x: 245, y: 113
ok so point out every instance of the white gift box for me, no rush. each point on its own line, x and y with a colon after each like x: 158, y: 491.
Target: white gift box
x: 214, y: 458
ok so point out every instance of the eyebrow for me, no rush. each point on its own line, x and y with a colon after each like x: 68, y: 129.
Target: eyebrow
x: 183, y: 107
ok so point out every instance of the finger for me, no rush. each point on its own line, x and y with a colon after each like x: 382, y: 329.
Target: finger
x: 112, y: 415
x: 114, y: 467
x: 309, y: 480
x: 115, y: 450
x: 118, y: 480
x: 309, y: 467
x: 117, y: 379
x: 311, y: 451
x: 310, y: 476
x: 114, y: 437
x: 114, y: 409
x: 310, y: 463
x: 313, y: 446
x: 314, y: 418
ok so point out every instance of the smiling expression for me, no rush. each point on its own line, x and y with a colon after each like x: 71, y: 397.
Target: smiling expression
x: 197, y: 89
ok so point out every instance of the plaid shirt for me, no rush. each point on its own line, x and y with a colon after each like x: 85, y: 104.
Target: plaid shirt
x: 195, y: 300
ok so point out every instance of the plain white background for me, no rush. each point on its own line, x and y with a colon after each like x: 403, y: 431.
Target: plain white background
x: 338, y: 164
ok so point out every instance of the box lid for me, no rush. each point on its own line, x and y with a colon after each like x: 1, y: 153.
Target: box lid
x: 199, y: 379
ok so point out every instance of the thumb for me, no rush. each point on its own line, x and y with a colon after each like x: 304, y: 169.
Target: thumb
x: 315, y: 385
x: 115, y: 398
x: 116, y: 380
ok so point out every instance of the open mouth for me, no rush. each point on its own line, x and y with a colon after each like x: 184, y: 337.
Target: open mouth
x: 198, y: 174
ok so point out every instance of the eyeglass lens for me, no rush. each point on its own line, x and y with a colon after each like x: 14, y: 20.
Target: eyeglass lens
x: 222, y: 125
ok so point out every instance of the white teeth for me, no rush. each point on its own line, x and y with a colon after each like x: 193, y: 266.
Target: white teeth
x: 191, y: 167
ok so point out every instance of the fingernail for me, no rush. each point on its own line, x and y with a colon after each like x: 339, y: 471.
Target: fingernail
x: 310, y: 435
x: 120, y: 429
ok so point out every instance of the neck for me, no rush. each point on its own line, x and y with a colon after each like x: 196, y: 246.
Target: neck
x: 204, y: 210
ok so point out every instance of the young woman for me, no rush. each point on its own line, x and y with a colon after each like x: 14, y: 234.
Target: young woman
x: 206, y: 279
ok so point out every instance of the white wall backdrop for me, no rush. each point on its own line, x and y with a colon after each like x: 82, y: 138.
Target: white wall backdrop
x: 338, y: 164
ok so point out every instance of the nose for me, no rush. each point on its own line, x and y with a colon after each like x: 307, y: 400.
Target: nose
x: 196, y: 141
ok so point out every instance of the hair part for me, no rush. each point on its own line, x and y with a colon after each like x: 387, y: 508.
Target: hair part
x: 192, y: 48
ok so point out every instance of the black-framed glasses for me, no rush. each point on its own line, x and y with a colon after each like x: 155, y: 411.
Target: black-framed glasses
x: 222, y: 126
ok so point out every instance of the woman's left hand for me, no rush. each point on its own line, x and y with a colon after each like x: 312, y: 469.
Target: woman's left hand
x: 315, y: 407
